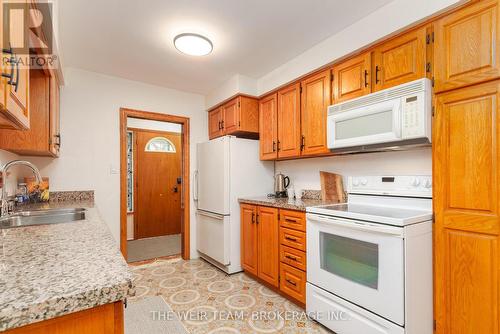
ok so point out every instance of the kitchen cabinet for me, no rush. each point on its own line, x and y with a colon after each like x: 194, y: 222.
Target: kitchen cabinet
x: 466, y: 197
x: 352, y: 78
x: 268, y: 255
x: 215, y: 123
x: 315, y: 99
x: 43, y: 137
x: 238, y: 117
x: 105, y: 319
x: 400, y: 60
x: 268, y: 251
x: 289, y: 136
x: 259, y: 242
x: 467, y: 46
x: 14, y: 92
x: 249, y: 237
x: 268, y: 127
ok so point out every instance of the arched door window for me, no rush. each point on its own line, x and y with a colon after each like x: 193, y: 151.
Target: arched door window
x: 160, y: 144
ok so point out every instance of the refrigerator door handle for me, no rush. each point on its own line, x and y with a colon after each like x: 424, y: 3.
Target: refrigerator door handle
x: 195, y: 185
x: 210, y: 214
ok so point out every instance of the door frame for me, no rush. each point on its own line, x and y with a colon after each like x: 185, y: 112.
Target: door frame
x: 185, y: 198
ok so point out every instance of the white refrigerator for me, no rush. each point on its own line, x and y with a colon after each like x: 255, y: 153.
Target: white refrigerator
x: 227, y: 168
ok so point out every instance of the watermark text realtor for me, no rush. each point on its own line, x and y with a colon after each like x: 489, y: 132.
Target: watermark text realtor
x: 27, y: 38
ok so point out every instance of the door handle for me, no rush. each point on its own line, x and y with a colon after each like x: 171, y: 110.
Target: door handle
x: 366, y: 78
x: 377, y: 69
x: 175, y: 189
x: 195, y: 186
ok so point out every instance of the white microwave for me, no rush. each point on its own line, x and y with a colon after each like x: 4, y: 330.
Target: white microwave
x: 393, y: 118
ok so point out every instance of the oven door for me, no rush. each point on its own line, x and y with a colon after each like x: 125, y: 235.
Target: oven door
x: 373, y: 124
x: 360, y: 262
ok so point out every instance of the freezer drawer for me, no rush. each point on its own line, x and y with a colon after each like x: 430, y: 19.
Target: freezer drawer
x: 343, y: 317
x: 213, y: 236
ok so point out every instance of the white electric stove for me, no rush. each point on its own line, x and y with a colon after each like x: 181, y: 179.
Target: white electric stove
x: 370, y: 259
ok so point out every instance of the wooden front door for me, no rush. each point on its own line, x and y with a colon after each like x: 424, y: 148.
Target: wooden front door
x: 466, y: 153
x: 158, y: 176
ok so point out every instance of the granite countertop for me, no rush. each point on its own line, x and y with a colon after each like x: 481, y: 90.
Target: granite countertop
x: 47, y: 271
x: 284, y: 203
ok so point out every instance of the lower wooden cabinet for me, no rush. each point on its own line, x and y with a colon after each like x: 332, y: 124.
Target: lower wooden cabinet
x: 265, y: 255
x: 105, y: 319
x: 466, y: 170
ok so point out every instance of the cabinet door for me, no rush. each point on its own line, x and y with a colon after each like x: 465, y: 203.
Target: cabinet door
x: 268, y: 127
x: 351, y: 78
x: 267, y: 222
x: 467, y: 46
x: 466, y: 152
x: 231, y: 116
x: 289, y: 121
x: 249, y: 239
x: 54, y: 129
x: 400, y: 60
x: 315, y: 99
x: 215, y: 123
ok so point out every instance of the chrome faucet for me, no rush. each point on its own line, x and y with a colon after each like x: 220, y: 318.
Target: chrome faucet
x: 5, y: 168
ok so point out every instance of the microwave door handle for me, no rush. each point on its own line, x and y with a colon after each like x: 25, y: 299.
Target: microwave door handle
x: 355, y: 225
x: 398, y: 120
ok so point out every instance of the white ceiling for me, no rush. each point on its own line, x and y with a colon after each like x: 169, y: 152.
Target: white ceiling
x: 132, y: 39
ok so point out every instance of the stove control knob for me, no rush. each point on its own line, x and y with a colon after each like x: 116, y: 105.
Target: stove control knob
x: 355, y: 182
x: 415, y: 182
x: 364, y: 182
x: 428, y: 183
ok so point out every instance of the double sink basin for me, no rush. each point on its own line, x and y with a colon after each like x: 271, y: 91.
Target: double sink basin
x: 42, y: 217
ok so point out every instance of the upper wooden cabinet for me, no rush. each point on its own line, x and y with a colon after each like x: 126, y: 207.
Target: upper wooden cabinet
x: 268, y: 127
x: 43, y: 137
x: 352, y: 78
x: 239, y: 117
x: 289, y: 137
x: 14, y: 92
x: 466, y: 170
x: 399, y: 60
x: 215, y: 123
x: 315, y: 99
x: 467, y: 46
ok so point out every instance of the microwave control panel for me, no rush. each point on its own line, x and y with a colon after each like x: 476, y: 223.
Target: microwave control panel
x: 413, y: 116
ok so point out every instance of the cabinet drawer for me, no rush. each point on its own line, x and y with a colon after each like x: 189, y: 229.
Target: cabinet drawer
x: 293, y: 282
x: 292, y: 238
x: 293, y: 219
x: 293, y: 257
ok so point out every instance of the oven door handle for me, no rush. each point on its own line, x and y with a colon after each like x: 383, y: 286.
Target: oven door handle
x: 356, y: 225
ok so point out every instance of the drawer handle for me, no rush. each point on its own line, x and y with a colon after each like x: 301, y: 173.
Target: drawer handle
x: 291, y: 282
x: 293, y: 258
x: 289, y: 220
x: 290, y: 238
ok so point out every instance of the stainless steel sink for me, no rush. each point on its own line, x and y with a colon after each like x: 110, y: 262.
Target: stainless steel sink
x: 42, y: 217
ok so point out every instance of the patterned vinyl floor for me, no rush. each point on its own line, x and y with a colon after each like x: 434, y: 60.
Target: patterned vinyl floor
x: 209, y: 301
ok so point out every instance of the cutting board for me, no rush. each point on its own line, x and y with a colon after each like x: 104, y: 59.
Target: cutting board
x: 332, y: 187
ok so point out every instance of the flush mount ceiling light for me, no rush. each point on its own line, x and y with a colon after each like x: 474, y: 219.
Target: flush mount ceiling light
x: 193, y: 44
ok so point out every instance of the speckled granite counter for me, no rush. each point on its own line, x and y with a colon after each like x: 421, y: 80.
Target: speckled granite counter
x: 48, y: 271
x: 284, y: 203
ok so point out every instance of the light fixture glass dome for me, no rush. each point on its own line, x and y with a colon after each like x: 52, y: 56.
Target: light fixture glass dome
x: 193, y: 44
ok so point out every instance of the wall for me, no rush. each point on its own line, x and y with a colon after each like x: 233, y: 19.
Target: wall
x: 304, y: 174
x: 90, y: 151
x: 13, y: 173
x: 386, y: 20
x: 147, y: 124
